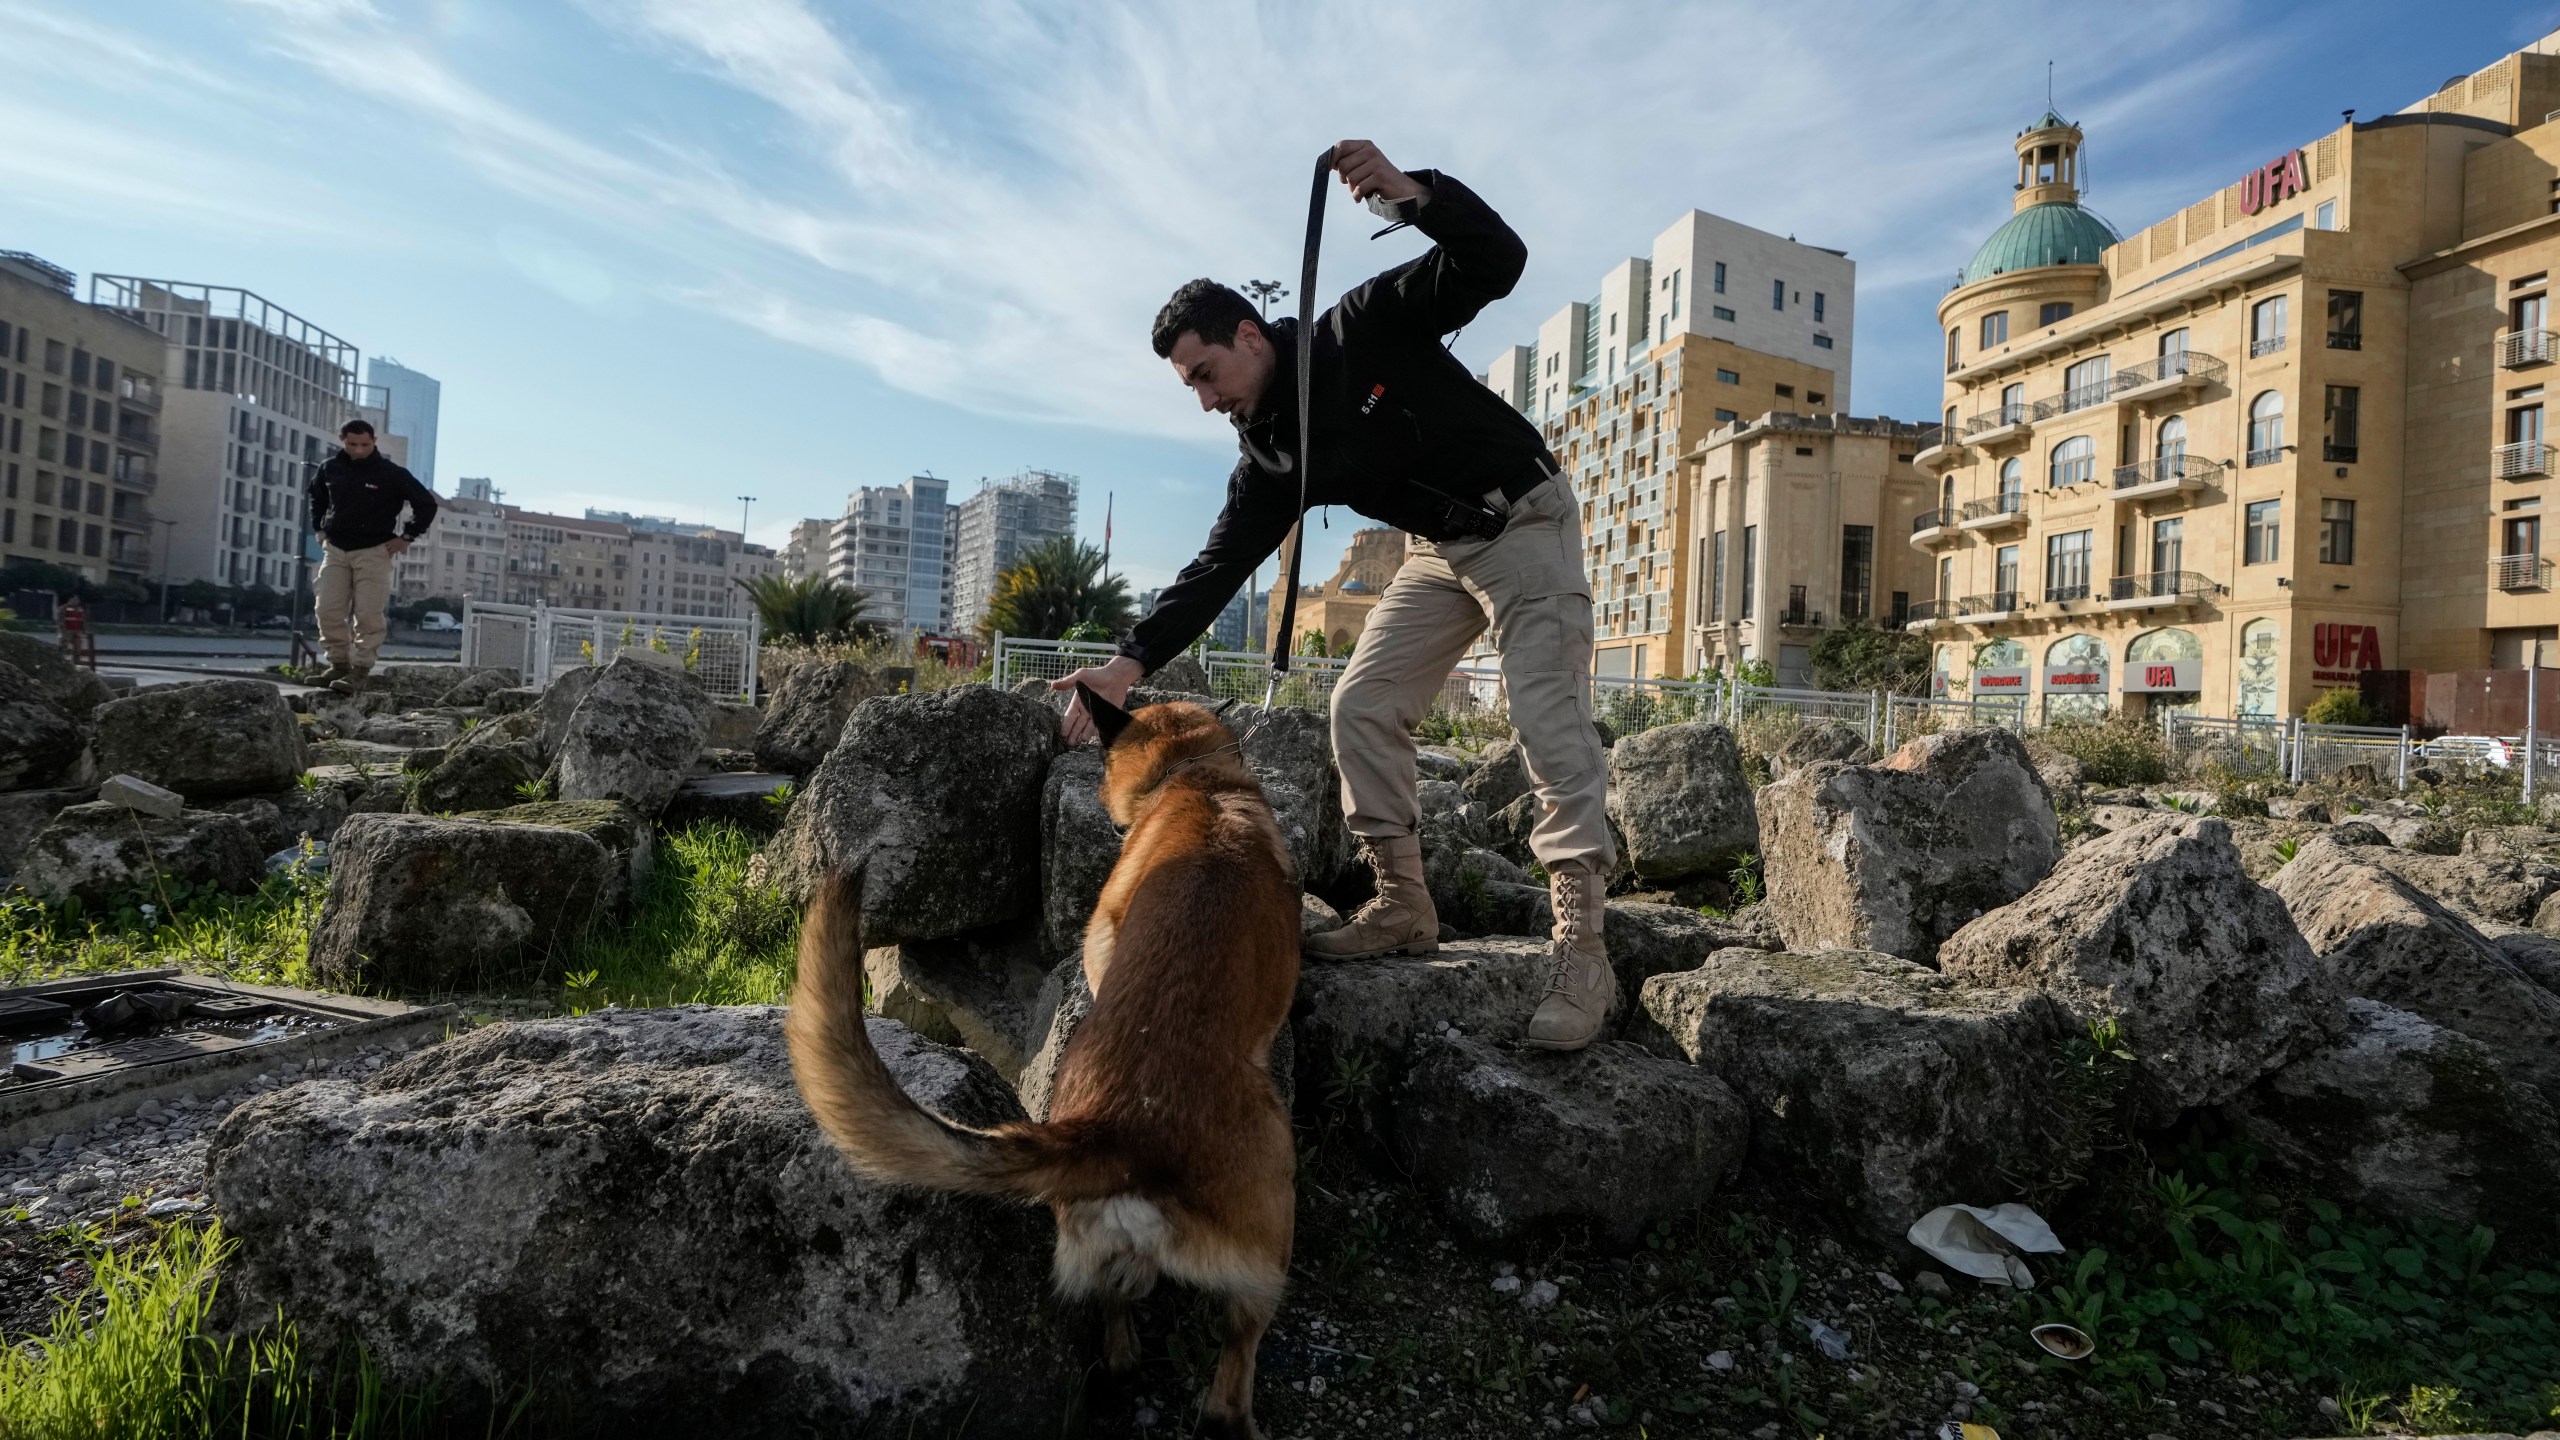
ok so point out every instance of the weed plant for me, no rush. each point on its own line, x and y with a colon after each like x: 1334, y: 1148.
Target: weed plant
x: 704, y: 933
x: 261, y: 938
x: 2117, y: 751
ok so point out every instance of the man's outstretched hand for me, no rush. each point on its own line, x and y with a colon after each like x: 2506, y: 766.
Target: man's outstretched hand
x: 1110, y: 681
x: 1366, y: 169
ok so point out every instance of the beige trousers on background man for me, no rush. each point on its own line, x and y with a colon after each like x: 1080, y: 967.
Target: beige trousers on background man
x: 1528, y: 584
x: 352, y: 594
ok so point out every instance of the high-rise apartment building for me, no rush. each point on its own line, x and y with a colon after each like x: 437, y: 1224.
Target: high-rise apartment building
x: 994, y: 527
x: 476, y: 487
x: 80, y: 400
x: 411, y: 400
x: 895, y: 544
x: 806, y: 554
x: 2285, y: 435
x: 1722, y: 322
x: 252, y: 400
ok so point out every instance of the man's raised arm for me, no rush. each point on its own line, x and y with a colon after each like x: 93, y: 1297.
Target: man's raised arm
x: 1256, y: 519
x: 1474, y: 259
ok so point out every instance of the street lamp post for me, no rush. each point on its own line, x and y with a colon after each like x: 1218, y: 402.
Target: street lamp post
x: 165, y: 527
x: 1264, y: 292
x: 744, y: 501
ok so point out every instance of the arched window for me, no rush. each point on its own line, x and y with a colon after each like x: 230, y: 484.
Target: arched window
x: 2266, y: 428
x: 2013, y: 484
x: 2258, y: 673
x: 2081, y: 661
x: 1999, y: 655
x: 1947, y: 494
x: 2170, y: 644
x: 2074, y: 462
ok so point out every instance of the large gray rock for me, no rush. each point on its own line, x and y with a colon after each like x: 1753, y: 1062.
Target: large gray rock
x: 1878, y: 1088
x: 633, y: 1214
x: 25, y: 813
x: 2535, y: 954
x: 1899, y: 855
x: 1078, y: 847
x: 1291, y: 752
x: 1514, y: 1143
x: 423, y: 903
x: 989, y: 990
x: 208, y: 741
x: 633, y: 738
x: 1182, y: 675
x: 625, y: 834
x: 1038, y: 1082
x: 77, y: 691
x: 2508, y: 889
x: 97, y: 852
x: 1500, y: 778
x: 287, y: 818
x: 2157, y: 928
x: 560, y: 701
x: 40, y: 744
x: 476, y: 686
x: 2388, y: 941
x: 934, y: 799
x: 2411, y: 1119
x: 490, y: 766
x: 1356, y: 1024
x: 806, y: 715
x: 1818, y: 741
x: 1679, y: 798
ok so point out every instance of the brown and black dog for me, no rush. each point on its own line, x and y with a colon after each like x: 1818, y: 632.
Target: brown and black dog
x: 1166, y: 1151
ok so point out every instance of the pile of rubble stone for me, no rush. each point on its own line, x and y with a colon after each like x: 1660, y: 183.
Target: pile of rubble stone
x: 1879, y: 1036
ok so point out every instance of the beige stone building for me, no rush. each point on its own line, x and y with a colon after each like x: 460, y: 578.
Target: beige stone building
x: 2285, y: 435
x: 1722, y: 322
x: 1338, y: 609
x: 79, y: 427
x: 1794, y: 532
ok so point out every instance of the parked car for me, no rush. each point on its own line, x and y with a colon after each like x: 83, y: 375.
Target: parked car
x: 438, y: 620
x: 275, y: 622
x: 2469, y: 749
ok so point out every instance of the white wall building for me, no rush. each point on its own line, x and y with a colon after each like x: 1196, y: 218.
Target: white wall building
x: 895, y: 544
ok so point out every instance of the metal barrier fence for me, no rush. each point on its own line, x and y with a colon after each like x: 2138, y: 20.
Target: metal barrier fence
x: 540, y: 642
x: 1906, y: 717
x: 2292, y: 748
x: 2249, y: 744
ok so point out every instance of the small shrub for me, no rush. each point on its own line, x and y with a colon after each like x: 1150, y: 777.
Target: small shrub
x: 2338, y: 707
x: 2117, y: 751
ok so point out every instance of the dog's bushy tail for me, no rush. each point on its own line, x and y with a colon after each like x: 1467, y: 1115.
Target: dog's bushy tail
x: 886, y: 1135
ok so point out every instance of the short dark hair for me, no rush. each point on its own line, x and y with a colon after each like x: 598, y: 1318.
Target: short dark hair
x: 356, y: 427
x: 1204, y: 308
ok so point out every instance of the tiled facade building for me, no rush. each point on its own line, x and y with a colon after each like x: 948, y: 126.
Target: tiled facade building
x: 992, y: 528
x: 1721, y: 323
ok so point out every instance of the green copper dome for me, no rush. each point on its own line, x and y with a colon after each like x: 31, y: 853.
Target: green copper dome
x: 2057, y: 233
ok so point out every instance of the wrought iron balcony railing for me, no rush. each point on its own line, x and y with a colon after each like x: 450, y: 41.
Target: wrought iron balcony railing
x: 2522, y: 458
x: 1998, y: 507
x: 2519, y: 348
x: 2077, y: 590
x: 1933, y: 520
x: 2521, y: 572
x: 1998, y: 602
x: 2177, y: 466
x: 2160, y: 585
x: 2268, y: 345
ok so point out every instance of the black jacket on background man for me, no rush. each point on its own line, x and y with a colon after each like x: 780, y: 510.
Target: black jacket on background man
x: 355, y: 504
x: 1401, y: 429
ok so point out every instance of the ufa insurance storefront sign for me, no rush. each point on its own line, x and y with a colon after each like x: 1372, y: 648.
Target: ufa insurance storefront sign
x: 2000, y: 682
x: 2340, y: 650
x: 2157, y: 677
x: 2075, y: 679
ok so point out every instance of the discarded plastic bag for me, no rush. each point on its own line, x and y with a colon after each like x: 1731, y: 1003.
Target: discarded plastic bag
x: 1985, y: 1243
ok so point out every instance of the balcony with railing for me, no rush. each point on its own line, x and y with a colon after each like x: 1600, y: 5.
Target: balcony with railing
x: 2057, y: 594
x: 2520, y: 572
x: 1997, y: 513
x: 1941, y: 448
x: 2170, y: 374
x: 136, y: 431
x: 1986, y: 609
x: 2346, y: 339
x: 1795, y: 613
x: 2013, y: 421
x: 1932, y: 526
x: 1926, y: 613
x: 2266, y: 345
x: 2522, y: 459
x: 2159, y: 590
x: 2172, y: 474
x: 2518, y: 349
x: 138, y: 394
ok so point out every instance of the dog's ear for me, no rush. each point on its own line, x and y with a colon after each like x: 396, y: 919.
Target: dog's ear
x: 1108, y: 719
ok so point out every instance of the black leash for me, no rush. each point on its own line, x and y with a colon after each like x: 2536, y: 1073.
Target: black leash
x: 1306, y: 406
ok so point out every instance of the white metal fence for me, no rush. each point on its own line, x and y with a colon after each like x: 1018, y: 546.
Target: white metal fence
x: 539, y: 642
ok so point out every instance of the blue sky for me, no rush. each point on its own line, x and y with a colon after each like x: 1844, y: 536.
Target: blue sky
x: 666, y: 252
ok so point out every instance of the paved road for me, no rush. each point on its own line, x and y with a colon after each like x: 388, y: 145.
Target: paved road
x: 266, y: 646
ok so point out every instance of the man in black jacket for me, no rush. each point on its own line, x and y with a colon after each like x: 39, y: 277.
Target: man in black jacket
x: 355, y: 502
x: 1405, y: 435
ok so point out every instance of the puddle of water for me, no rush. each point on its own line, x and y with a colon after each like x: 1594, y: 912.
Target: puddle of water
x: 49, y: 1039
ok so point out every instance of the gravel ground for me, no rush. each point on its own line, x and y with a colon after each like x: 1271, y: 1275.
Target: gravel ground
x: 148, y: 1165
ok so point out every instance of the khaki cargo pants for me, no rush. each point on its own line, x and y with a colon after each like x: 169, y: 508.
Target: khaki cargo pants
x: 352, y: 594
x: 1526, y: 583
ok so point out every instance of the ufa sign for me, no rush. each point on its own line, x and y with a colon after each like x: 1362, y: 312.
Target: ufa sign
x: 2278, y: 180
x: 2340, y: 650
x: 2163, y: 677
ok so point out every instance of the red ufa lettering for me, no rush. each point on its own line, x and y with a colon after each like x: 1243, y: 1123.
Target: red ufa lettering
x: 2160, y: 676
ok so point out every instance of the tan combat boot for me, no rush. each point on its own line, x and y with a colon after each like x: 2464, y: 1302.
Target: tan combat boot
x: 1399, y: 922
x: 331, y: 674
x: 1580, y: 982
x: 353, y: 682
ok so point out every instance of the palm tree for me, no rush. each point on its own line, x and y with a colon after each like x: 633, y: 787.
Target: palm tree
x: 809, y: 609
x: 1053, y: 587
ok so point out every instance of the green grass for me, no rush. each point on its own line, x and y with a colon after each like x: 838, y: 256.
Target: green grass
x: 261, y: 938
x: 703, y: 933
